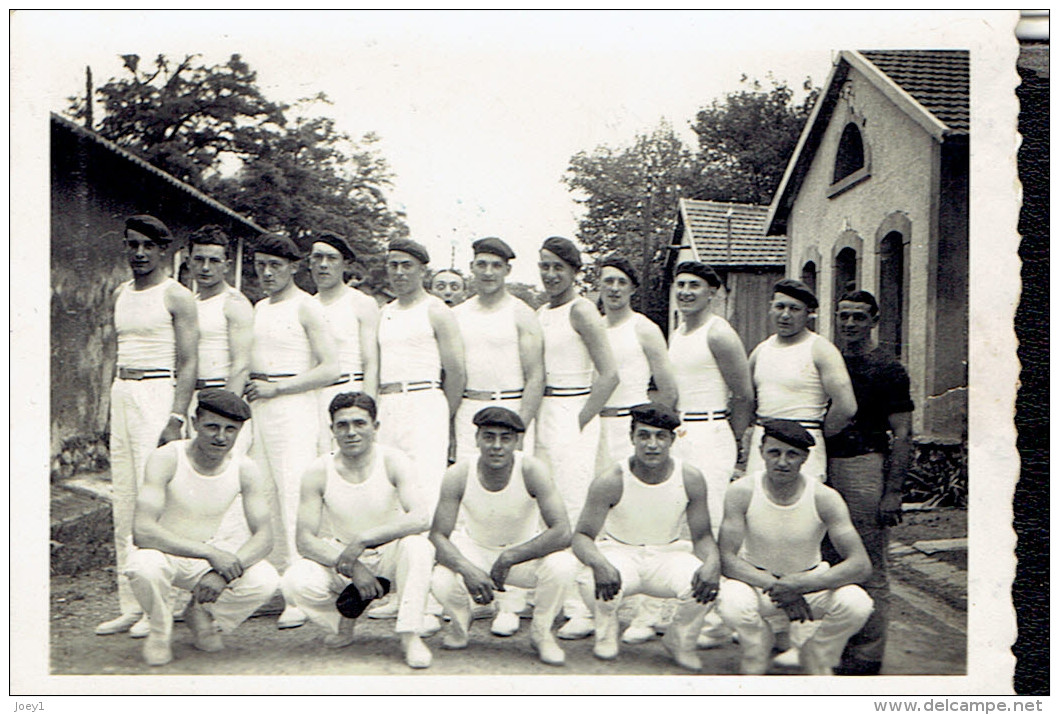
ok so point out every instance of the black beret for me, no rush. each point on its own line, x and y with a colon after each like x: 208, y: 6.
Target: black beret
x: 655, y: 414
x: 149, y: 226
x: 701, y: 270
x: 494, y: 246
x: 349, y: 602
x: 498, y: 417
x: 788, y: 431
x: 273, y: 244
x: 339, y: 243
x: 564, y: 248
x: 796, y: 289
x: 413, y: 249
x: 224, y: 403
x: 619, y: 262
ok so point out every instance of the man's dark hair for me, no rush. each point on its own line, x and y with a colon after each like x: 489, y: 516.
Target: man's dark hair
x: 862, y: 296
x: 210, y: 235
x: 345, y: 400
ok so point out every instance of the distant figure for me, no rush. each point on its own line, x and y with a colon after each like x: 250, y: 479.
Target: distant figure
x: 188, y: 488
x: 774, y: 522
x: 449, y: 285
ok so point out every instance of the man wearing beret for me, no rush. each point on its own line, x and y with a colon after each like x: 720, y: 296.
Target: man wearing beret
x: 505, y: 366
x: 500, y: 500
x: 364, y: 497
x: 642, y: 503
x: 639, y: 350
x: 716, y: 397
x: 580, y: 375
x: 157, y: 330
x: 449, y: 285
x: 421, y: 367
x: 774, y: 522
x: 353, y: 319
x: 294, y: 355
x: 188, y: 488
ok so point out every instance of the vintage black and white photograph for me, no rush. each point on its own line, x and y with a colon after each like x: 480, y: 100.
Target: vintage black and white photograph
x: 510, y: 344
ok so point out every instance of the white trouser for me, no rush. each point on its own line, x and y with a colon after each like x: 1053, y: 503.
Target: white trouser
x: 326, y: 441
x: 614, y: 442
x: 406, y: 563
x: 662, y: 571
x: 551, y: 576
x: 233, y: 526
x: 710, y: 446
x: 152, y: 575
x: 417, y: 423
x: 815, y: 465
x: 466, y: 447
x: 285, y: 429
x: 139, y: 411
x: 839, y: 613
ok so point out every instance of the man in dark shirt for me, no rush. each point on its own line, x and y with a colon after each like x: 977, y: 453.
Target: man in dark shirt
x: 868, y: 461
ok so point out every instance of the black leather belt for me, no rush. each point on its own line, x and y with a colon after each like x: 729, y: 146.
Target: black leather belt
x: 206, y: 383
x: 390, y: 388
x: 705, y: 416
x: 492, y: 395
x: 807, y: 424
x: 137, y: 373
x: 566, y: 391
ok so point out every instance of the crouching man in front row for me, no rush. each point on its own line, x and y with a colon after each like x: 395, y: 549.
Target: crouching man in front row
x: 188, y: 487
x: 774, y: 521
x: 503, y: 496
x: 642, y: 503
x: 365, y: 496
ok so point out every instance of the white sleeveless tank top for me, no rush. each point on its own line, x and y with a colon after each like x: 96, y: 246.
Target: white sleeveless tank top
x: 566, y: 359
x: 214, y: 355
x: 491, y: 342
x: 787, y: 382
x: 700, y: 384
x: 499, y: 519
x: 146, y: 337
x: 281, y: 345
x: 783, y: 539
x: 353, y: 508
x: 341, y: 317
x: 649, y: 514
x: 634, y: 372
x: 408, y: 349
x: 195, y: 503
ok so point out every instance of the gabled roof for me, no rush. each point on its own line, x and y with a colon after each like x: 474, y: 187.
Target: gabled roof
x: 74, y: 128
x: 931, y: 86
x: 730, y: 235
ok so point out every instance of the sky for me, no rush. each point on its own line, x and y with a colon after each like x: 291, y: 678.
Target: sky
x: 478, y: 112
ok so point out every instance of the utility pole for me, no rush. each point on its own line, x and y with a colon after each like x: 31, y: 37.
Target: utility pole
x: 88, y: 97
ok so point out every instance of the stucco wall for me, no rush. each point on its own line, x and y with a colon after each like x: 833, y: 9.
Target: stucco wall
x: 902, y: 161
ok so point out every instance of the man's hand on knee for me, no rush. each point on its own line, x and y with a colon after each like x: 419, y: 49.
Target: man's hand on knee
x: 209, y: 587
x: 608, y: 581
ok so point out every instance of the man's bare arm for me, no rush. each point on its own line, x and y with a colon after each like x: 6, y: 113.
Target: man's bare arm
x: 255, y: 491
x: 586, y: 321
x: 181, y: 305
x: 310, y: 516
x: 900, y: 459
x: 531, y: 354
x: 835, y: 378
x: 416, y: 517
x: 450, y: 350
x: 732, y: 533
x: 604, y: 492
x: 728, y: 350
x: 240, y: 317
x: 368, y: 319
x: 556, y: 536
x: 654, y: 347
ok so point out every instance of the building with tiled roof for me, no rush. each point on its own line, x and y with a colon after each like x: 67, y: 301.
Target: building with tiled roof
x: 875, y: 197
x: 731, y: 238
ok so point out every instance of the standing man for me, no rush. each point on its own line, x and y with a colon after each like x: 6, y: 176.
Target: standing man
x: 353, y: 319
x: 867, y: 467
x: 643, y: 503
x: 365, y: 494
x: 502, y: 497
x: 293, y: 356
x: 157, y: 329
x: 419, y: 343
x: 188, y: 488
x: 774, y: 521
x: 580, y: 375
x: 505, y: 366
x: 449, y: 285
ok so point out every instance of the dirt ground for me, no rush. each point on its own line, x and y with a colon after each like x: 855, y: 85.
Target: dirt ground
x: 934, y: 524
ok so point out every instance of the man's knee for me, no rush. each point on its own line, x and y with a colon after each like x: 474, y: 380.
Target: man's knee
x: 559, y: 566
x: 852, y: 602
x: 417, y: 549
x: 146, y: 564
x: 737, y: 603
x: 261, y: 578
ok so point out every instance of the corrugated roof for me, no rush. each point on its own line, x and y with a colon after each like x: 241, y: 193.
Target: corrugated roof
x: 125, y: 154
x: 940, y: 80
x: 706, y: 224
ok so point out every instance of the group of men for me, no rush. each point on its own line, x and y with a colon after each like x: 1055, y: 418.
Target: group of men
x: 591, y: 461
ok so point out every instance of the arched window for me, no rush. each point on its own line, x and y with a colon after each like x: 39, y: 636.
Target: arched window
x: 809, y: 275
x: 845, y: 272
x: 891, y: 292
x: 850, y: 155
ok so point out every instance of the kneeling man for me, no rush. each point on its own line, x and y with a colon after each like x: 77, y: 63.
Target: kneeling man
x: 188, y: 487
x: 364, y: 495
x: 502, y: 496
x: 774, y: 521
x: 642, y: 503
